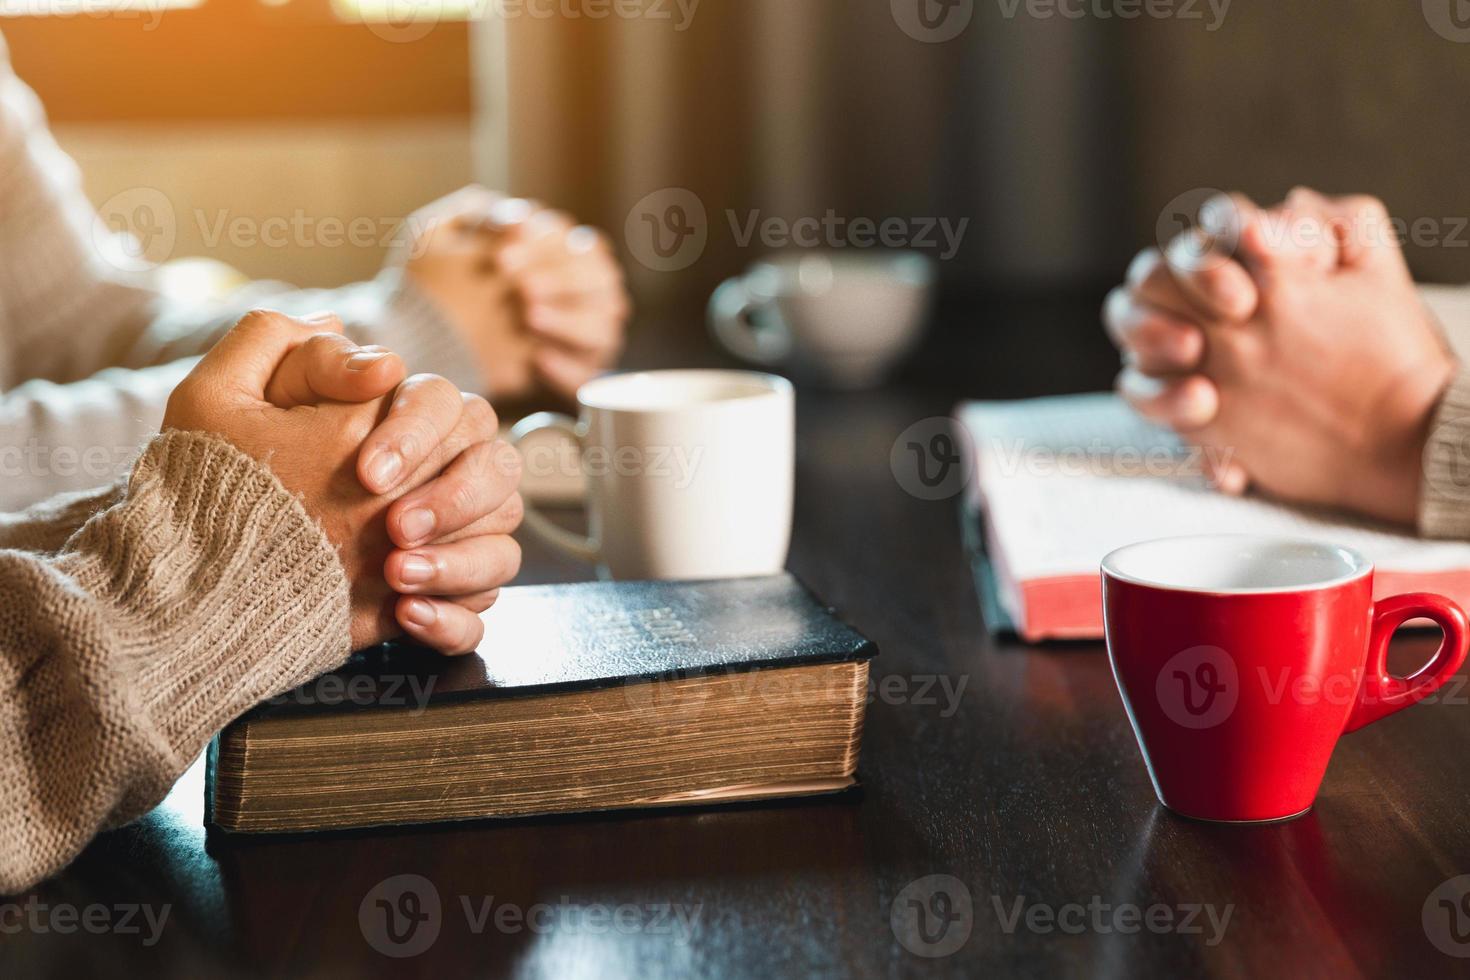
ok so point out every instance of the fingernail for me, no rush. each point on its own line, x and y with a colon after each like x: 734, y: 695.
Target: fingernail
x: 420, y: 612
x: 510, y: 210
x: 384, y: 468
x: 1194, y: 253
x: 1215, y: 214
x: 581, y: 239
x: 365, y: 359
x: 416, y: 570
x: 320, y: 316
x: 1141, y: 387
x: 1192, y: 407
x: 417, y: 524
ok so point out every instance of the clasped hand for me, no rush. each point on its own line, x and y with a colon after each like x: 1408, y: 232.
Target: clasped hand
x: 538, y: 299
x: 404, y: 475
x: 1293, y: 343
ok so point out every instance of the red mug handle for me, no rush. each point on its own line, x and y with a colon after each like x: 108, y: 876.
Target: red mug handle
x: 1381, y: 693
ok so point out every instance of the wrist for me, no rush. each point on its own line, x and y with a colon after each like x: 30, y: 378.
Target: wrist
x: 1387, y: 479
x: 416, y: 325
x: 220, y: 577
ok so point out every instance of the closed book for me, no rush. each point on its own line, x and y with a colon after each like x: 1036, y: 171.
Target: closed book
x: 593, y: 696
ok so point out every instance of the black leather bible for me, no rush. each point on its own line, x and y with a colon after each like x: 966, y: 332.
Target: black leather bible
x: 591, y: 696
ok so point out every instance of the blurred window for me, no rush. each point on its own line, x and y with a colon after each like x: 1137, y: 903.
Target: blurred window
x: 105, y: 60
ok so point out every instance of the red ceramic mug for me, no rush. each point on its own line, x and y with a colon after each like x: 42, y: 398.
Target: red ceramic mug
x: 1242, y: 659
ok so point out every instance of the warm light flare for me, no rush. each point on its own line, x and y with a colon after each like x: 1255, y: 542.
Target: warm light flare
x: 404, y: 11
x: 90, y: 8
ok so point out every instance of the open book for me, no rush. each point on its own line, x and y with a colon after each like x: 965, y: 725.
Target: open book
x: 1060, y: 482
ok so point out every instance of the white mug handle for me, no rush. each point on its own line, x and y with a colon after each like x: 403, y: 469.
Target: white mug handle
x: 730, y: 311
x: 578, y: 545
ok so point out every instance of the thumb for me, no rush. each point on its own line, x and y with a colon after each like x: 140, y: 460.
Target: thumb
x: 246, y: 358
x: 329, y: 367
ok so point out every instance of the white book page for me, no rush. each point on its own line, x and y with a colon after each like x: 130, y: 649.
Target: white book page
x: 1063, y: 481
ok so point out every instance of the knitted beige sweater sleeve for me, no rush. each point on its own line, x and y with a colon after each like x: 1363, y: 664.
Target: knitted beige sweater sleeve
x: 1444, y: 498
x: 90, y: 348
x: 135, y: 623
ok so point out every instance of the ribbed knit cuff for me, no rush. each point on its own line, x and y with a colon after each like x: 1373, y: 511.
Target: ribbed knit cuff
x: 44, y: 527
x: 1451, y: 307
x: 413, y: 328
x: 230, y: 593
x: 1444, y: 499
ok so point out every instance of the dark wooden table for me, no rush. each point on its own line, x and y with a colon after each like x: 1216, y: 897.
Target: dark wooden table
x: 1026, y: 788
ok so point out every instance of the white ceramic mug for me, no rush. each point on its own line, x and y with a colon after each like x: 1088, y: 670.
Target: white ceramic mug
x: 689, y: 474
x: 838, y: 318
